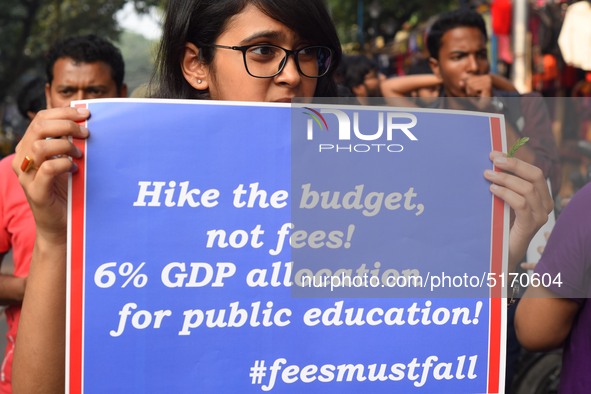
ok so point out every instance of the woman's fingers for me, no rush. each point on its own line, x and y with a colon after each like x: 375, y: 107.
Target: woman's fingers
x: 42, y: 160
x: 45, y: 155
x: 527, y: 172
x: 45, y: 139
x: 523, y: 187
x: 518, y: 167
x: 521, y: 195
x: 55, y: 123
x: 46, y: 175
x: 46, y: 149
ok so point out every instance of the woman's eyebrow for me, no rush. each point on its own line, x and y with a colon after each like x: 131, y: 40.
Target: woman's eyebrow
x: 268, y: 34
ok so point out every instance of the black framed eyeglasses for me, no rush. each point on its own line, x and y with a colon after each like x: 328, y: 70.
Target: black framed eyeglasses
x: 267, y: 61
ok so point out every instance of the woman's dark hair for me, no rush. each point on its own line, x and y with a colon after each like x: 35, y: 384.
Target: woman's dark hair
x: 451, y: 20
x: 202, y: 21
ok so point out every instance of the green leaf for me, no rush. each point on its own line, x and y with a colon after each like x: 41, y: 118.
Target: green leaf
x: 520, y: 142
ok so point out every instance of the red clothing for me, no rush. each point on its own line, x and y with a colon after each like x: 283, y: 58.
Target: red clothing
x: 501, y: 11
x: 17, y: 232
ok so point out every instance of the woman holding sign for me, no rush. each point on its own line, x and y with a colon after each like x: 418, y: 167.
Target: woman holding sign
x: 248, y: 50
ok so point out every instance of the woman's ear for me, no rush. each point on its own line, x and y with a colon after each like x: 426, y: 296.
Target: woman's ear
x: 194, y: 70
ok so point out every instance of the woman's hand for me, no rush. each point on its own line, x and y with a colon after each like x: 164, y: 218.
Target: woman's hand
x: 42, y: 161
x: 523, y: 187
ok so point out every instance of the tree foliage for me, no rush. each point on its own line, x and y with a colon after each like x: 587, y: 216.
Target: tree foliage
x: 391, y: 16
x: 139, y: 54
x: 29, y: 27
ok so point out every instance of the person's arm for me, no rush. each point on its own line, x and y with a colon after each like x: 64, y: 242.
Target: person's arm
x: 39, y: 357
x: 402, y: 86
x: 542, y: 320
x: 502, y: 83
x: 39, y: 363
x: 546, y: 315
x: 523, y: 187
x: 12, y: 289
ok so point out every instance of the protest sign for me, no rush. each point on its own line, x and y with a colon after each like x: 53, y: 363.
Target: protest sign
x: 200, y: 231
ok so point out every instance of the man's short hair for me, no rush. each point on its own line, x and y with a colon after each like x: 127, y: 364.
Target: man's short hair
x: 87, y: 49
x: 451, y: 20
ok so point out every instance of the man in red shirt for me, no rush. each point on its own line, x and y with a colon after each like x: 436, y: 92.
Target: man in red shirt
x: 78, y: 68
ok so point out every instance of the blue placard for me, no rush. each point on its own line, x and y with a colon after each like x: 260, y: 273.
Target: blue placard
x: 181, y: 276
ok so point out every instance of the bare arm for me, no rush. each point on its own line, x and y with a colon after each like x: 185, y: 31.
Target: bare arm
x: 548, y: 313
x: 402, y: 86
x: 542, y: 321
x: 502, y: 83
x: 39, y: 363
x: 12, y: 289
x: 40, y: 345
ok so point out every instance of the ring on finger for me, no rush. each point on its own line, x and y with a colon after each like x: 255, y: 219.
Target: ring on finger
x: 27, y: 164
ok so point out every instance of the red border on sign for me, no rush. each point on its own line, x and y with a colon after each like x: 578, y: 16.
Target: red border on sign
x: 77, y: 226
x: 497, y: 253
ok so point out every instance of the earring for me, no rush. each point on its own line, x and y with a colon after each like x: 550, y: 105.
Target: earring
x: 199, y: 81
